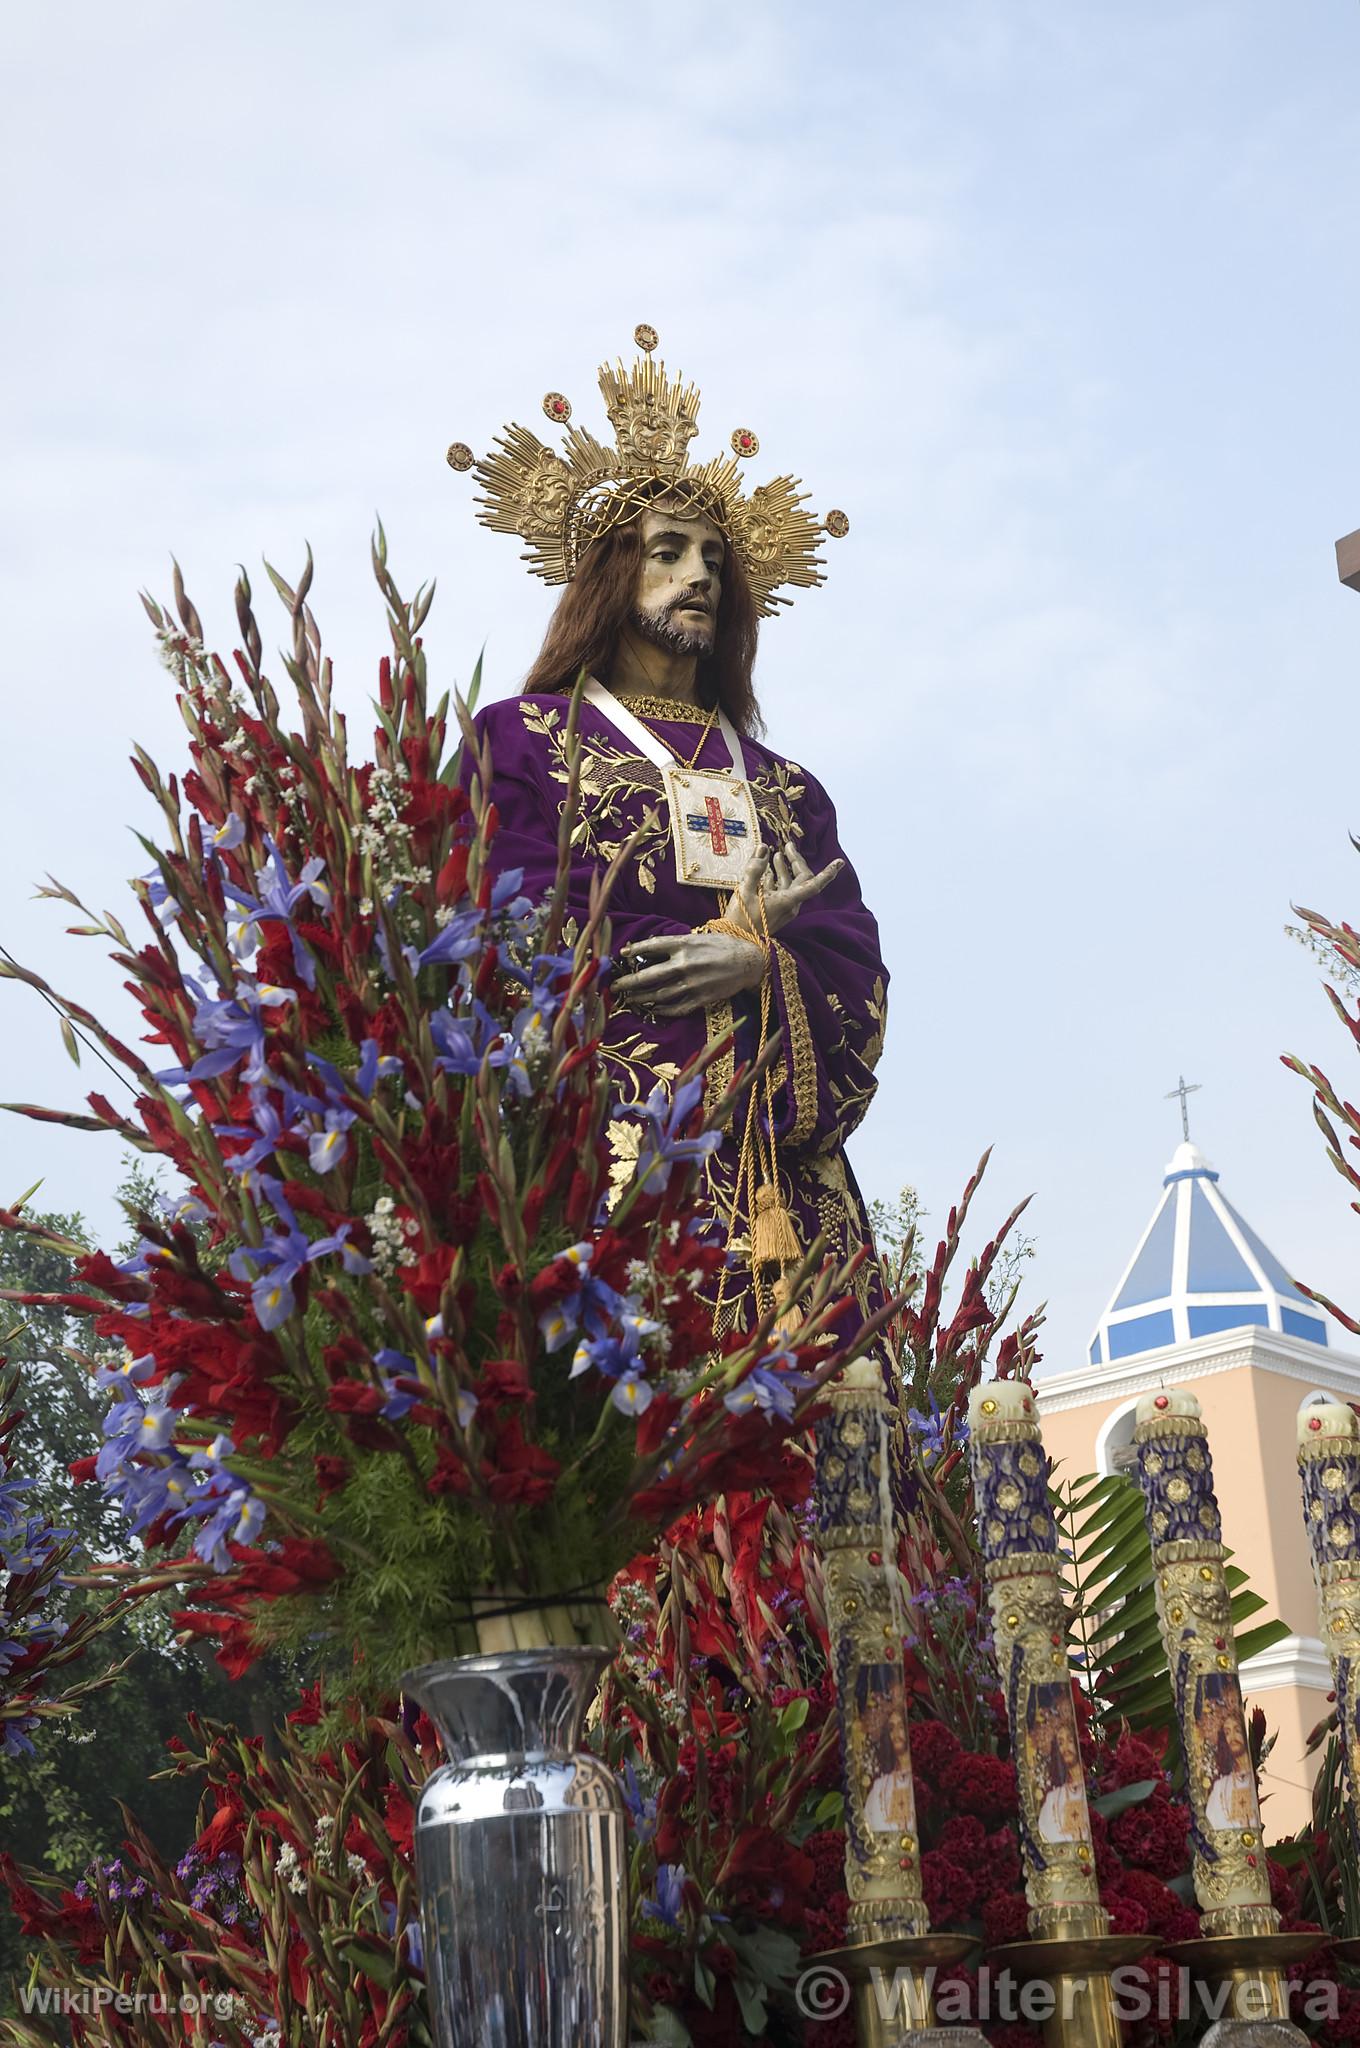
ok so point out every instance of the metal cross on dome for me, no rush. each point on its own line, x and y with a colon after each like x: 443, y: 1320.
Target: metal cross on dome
x: 1184, y: 1088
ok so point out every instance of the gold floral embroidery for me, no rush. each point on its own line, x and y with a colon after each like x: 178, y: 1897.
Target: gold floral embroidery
x: 720, y: 1020
x: 801, y: 1048
x: 612, y: 776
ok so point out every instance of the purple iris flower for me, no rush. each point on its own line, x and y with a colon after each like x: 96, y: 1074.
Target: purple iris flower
x: 124, y: 1378
x: 665, y: 1145
x: 401, y: 1388
x: 278, y: 899
x: 232, y: 1028
x: 266, y: 1128
x: 134, y: 1425
x: 160, y: 899
x: 373, y: 1066
x: 505, y: 893
x: 28, y: 1544
x: 235, y: 1515
x: 14, y: 1735
x: 590, y: 1306
x: 410, y: 1935
x: 928, y: 1430
x: 641, y: 1810
x: 272, y: 1267
x: 229, y: 833
x: 455, y: 1047
x: 669, y: 1899
x: 327, y: 1148
x: 458, y: 940
x: 768, y: 1387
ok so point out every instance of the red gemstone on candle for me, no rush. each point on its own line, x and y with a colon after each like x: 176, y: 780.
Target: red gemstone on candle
x: 1315, y: 1422
x: 1055, y: 1639
x: 875, y: 1557
x: 1219, y: 1643
x: 904, y: 1863
x: 1161, y: 1402
x: 1251, y: 1863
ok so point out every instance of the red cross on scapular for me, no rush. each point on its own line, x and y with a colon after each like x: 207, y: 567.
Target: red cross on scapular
x: 716, y: 834
x: 716, y: 825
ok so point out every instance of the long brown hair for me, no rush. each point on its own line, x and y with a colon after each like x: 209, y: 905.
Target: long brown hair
x: 597, y: 604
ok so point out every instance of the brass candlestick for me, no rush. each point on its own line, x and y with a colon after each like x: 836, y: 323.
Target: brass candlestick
x: 1241, y: 1945
x: 1072, y: 1948
x: 888, y: 1928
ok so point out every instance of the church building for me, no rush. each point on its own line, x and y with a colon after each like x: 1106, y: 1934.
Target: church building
x: 1204, y: 1304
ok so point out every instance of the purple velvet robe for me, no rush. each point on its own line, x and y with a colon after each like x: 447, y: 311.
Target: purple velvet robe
x: 831, y: 985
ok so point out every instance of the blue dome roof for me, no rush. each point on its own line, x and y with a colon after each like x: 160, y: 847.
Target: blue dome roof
x: 1199, y: 1270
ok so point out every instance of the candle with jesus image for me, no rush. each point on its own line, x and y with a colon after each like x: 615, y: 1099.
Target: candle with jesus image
x: 882, y: 1750
x: 1019, y: 1541
x: 1175, y: 1472
x: 1329, y: 1474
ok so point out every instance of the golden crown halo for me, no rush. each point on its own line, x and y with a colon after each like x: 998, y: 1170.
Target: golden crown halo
x: 559, y: 503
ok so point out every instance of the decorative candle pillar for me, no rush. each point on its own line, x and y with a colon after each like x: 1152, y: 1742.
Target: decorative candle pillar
x: 1329, y: 1472
x: 865, y: 1614
x: 1019, y: 1540
x: 1232, y: 1883
x: 1071, y: 1949
x: 1242, y: 1946
x: 888, y: 1942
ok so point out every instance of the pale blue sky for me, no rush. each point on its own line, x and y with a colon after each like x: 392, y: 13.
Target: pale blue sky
x: 1058, y: 301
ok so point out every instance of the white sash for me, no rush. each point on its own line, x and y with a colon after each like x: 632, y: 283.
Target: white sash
x: 714, y: 824
x: 648, y: 745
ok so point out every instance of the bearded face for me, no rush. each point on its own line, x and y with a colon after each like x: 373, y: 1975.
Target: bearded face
x: 679, y: 581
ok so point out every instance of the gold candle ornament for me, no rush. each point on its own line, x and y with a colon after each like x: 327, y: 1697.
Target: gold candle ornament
x: 866, y: 1615
x: 1071, y: 1950
x: 1241, y: 1946
x: 1175, y: 1472
x: 1019, y: 1541
x: 888, y: 1939
x: 1329, y: 1476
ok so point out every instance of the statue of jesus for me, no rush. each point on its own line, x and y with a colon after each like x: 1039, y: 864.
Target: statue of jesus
x: 736, y: 911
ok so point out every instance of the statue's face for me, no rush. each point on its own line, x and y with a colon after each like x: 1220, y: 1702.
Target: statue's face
x: 679, y: 580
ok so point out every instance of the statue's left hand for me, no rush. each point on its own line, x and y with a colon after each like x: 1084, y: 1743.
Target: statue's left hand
x: 686, y: 971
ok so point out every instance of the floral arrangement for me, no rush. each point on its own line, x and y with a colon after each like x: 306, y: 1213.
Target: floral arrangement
x: 36, y: 1638
x: 293, y: 1906
x: 402, y: 1366
x: 289, y: 1922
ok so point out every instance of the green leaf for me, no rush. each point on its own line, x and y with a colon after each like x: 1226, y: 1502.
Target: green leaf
x: 1111, y: 1803
x: 792, y: 1717
x: 751, y: 1999
x: 705, y: 1983
x: 829, y: 1811
x: 68, y: 1039
x: 667, y: 2030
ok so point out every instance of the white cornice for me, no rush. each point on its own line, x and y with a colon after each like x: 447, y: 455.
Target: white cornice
x: 1296, y: 1660
x: 1292, y: 1358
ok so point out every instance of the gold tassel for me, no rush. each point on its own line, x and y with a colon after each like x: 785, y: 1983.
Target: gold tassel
x: 774, y: 1241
